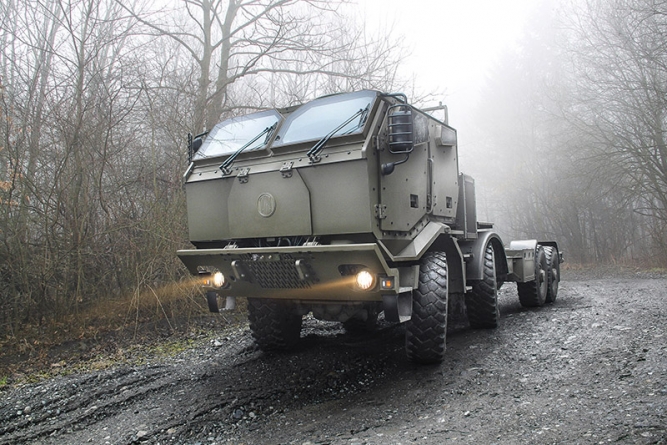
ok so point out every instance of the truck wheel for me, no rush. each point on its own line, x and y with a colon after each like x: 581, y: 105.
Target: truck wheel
x: 534, y: 293
x: 553, y: 273
x: 482, y: 301
x: 275, y: 325
x: 426, y: 331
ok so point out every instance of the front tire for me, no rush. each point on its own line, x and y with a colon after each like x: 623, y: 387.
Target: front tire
x: 534, y: 293
x: 275, y: 325
x: 482, y: 301
x: 426, y: 331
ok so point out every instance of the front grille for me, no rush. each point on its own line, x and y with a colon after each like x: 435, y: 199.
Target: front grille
x: 281, y: 274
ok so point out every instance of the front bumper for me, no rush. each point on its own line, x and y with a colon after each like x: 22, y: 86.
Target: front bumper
x: 312, y: 273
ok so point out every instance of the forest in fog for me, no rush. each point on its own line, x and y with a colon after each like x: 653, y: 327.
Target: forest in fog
x: 572, y: 130
x: 97, y: 97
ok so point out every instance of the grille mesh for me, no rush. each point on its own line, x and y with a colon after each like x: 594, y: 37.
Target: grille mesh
x: 281, y: 274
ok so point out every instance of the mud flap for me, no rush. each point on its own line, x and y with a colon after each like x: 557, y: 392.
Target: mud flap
x: 397, y: 308
x: 212, y: 300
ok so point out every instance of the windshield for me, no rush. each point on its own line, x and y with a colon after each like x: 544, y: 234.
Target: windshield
x: 230, y: 135
x: 314, y: 120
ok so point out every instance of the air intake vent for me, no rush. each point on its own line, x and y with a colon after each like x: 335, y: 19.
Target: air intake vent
x: 275, y: 274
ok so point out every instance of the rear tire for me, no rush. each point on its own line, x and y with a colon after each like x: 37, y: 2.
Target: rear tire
x: 553, y: 273
x: 426, y: 331
x: 482, y: 301
x: 534, y: 293
x: 275, y: 325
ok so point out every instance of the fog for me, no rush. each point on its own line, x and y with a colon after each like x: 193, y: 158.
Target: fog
x: 450, y: 46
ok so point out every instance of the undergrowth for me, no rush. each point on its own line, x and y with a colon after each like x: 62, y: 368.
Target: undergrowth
x: 151, y: 322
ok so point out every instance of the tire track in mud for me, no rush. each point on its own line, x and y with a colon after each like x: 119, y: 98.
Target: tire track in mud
x: 215, y: 384
x: 590, y: 368
x: 76, y: 404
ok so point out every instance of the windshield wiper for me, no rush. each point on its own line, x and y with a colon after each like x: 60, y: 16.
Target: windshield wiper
x: 314, y: 152
x: 362, y: 121
x: 228, y: 162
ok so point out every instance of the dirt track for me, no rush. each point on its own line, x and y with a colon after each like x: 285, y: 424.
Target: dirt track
x: 591, y: 368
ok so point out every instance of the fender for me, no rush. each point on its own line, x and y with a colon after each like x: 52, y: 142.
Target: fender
x: 419, y: 245
x: 554, y: 244
x: 522, y: 253
x: 474, y: 252
x: 523, y: 244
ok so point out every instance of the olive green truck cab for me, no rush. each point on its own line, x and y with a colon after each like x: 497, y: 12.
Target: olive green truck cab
x: 345, y: 207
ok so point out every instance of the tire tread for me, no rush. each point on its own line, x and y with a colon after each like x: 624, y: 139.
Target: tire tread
x: 530, y: 293
x: 552, y: 263
x: 482, y: 301
x: 425, y: 337
x: 274, y: 325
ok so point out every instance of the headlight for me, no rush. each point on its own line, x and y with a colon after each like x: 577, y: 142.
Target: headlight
x: 218, y: 279
x: 365, y: 280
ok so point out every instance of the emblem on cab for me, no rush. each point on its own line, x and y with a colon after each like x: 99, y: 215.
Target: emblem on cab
x: 266, y: 204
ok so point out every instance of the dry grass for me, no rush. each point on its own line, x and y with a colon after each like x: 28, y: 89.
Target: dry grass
x: 156, y: 320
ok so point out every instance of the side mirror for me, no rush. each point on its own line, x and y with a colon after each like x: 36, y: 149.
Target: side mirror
x: 196, y: 144
x: 401, y: 135
x: 400, y: 126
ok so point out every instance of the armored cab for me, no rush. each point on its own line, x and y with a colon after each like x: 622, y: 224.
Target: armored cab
x: 345, y: 207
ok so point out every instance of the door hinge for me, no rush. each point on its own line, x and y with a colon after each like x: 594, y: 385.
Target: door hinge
x: 286, y: 169
x: 380, y: 211
x: 243, y: 175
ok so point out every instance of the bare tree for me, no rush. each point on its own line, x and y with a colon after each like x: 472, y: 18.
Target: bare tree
x: 28, y: 36
x: 231, y: 40
x: 64, y: 106
x: 619, y: 102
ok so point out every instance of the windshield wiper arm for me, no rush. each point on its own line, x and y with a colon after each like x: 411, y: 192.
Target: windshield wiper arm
x: 314, y: 152
x: 228, y: 162
x: 362, y: 120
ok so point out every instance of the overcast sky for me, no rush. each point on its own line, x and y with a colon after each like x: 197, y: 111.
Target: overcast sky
x: 453, y: 43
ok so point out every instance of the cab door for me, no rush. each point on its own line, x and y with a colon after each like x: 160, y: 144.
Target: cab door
x: 405, y: 191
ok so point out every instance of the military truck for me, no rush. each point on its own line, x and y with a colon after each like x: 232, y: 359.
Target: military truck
x: 346, y: 207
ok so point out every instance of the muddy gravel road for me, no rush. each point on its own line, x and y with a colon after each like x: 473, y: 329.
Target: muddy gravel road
x: 590, y: 368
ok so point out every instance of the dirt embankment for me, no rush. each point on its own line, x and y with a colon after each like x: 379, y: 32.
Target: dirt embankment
x: 591, y: 368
